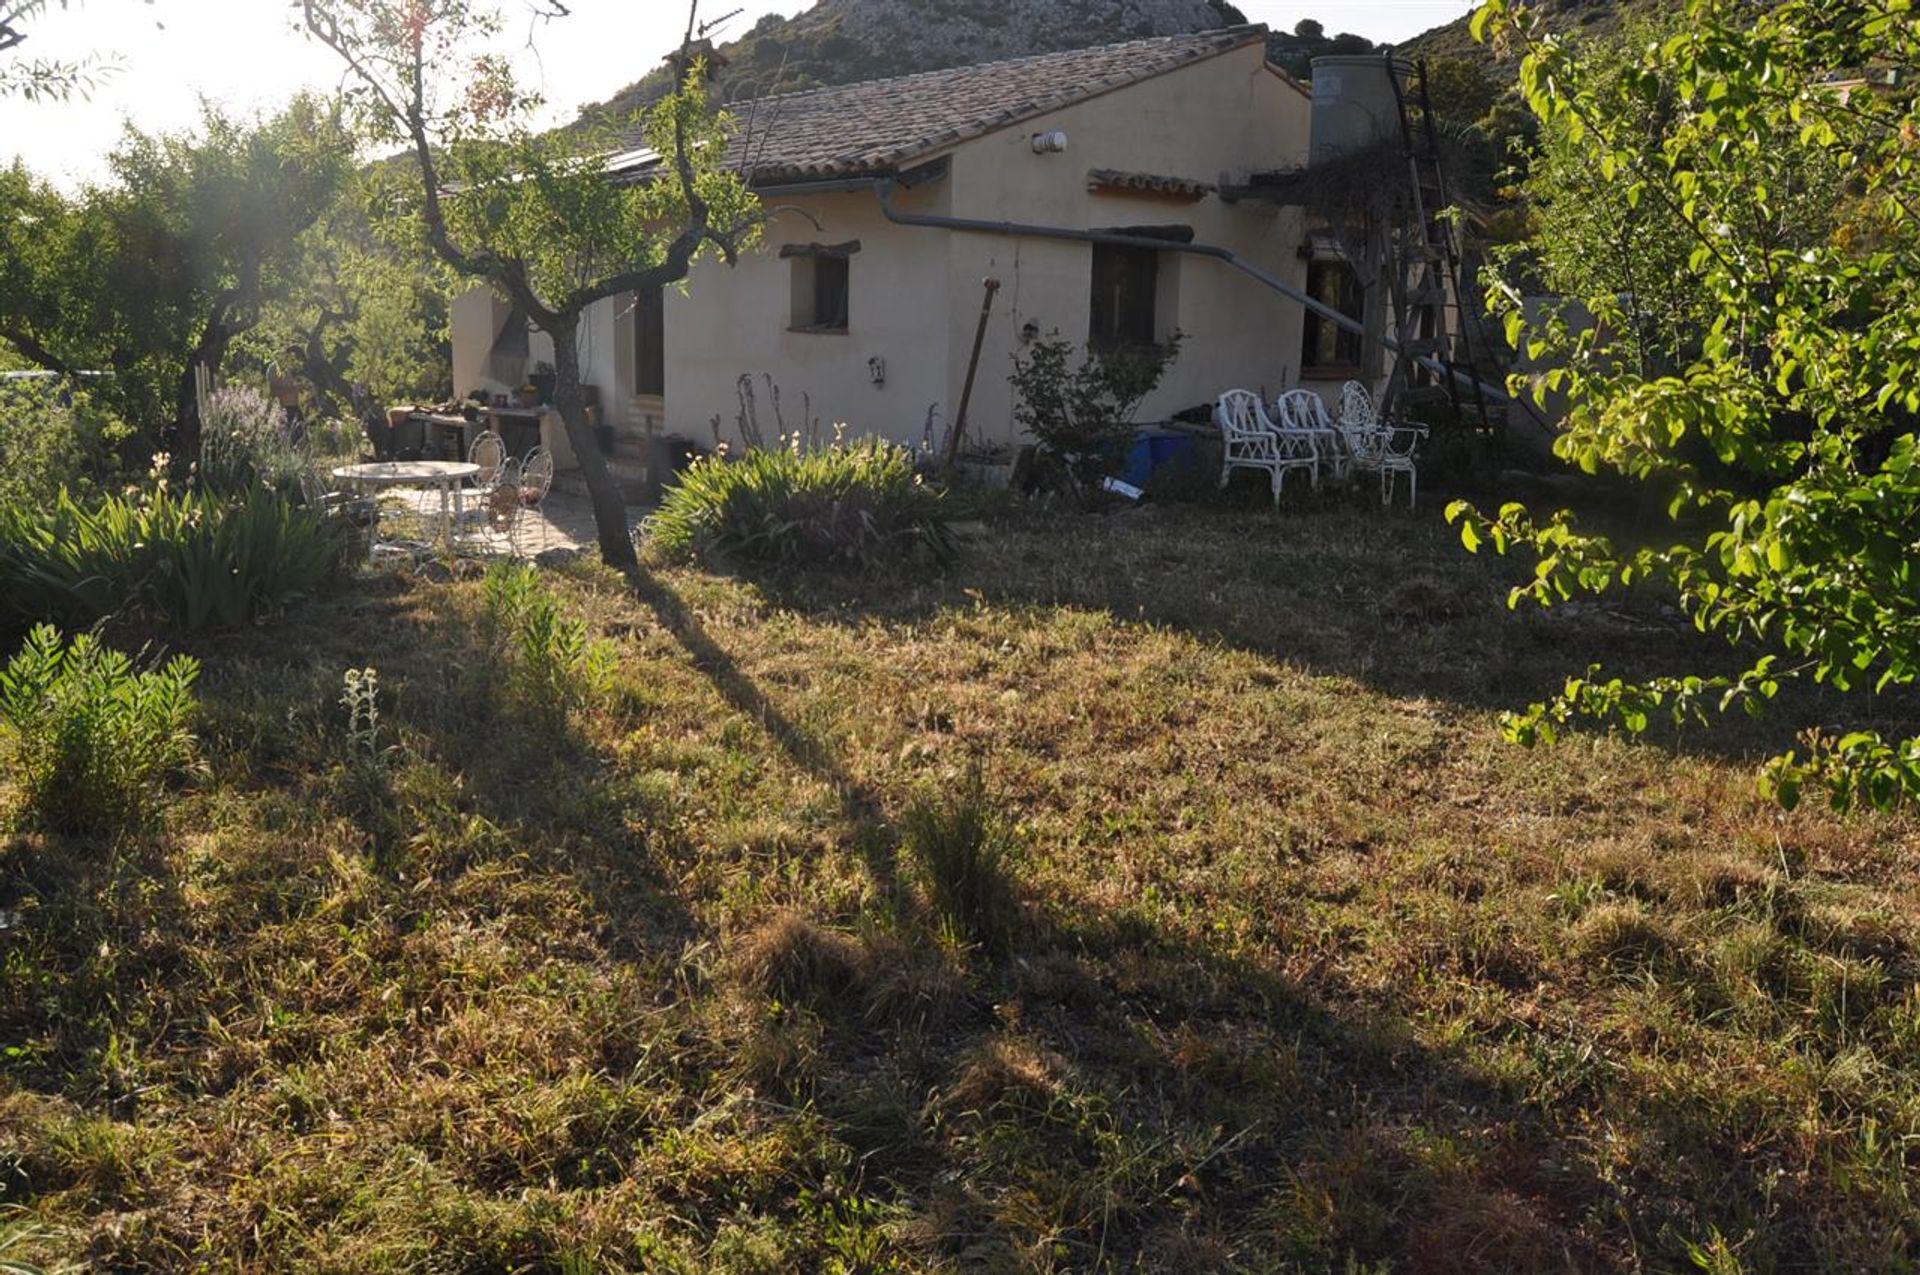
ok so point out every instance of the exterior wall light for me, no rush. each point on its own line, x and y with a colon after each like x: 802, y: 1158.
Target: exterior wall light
x: 877, y: 370
x: 1054, y: 143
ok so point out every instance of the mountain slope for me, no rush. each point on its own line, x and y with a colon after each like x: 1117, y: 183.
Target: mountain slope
x: 1596, y: 17
x: 844, y: 41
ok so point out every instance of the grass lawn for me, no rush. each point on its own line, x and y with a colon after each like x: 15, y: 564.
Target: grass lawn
x: 1292, y: 963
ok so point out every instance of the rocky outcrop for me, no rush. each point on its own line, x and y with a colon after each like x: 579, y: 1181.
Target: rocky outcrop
x: 844, y: 41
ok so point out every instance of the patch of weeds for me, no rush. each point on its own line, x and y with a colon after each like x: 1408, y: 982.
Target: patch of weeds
x: 1622, y: 938
x: 791, y: 959
x: 553, y: 667
x: 963, y: 846
x: 91, y: 739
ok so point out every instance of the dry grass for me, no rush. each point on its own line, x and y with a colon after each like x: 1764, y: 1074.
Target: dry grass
x: 1310, y: 970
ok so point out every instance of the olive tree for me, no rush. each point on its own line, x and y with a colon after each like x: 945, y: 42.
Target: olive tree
x: 539, y: 217
x: 1783, y: 427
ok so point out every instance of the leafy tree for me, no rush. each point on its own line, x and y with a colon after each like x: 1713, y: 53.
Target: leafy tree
x: 166, y: 264
x: 539, y: 217
x: 365, y: 312
x: 1784, y: 426
x: 41, y: 78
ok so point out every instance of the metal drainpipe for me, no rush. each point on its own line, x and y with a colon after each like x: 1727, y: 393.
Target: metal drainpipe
x: 884, y: 186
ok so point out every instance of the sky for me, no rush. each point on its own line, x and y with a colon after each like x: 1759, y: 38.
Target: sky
x: 246, y: 56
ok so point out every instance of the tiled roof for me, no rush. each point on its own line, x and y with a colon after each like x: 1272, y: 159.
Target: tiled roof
x: 879, y: 125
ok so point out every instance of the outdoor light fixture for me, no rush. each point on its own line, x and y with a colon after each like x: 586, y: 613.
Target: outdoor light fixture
x: 877, y: 369
x: 1054, y: 143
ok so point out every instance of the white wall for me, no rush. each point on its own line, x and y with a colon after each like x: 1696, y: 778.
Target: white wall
x: 734, y: 320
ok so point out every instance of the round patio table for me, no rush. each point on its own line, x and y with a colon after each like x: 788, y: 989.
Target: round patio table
x: 443, y: 475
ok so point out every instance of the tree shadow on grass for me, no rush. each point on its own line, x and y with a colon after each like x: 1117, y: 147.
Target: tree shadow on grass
x: 1387, y: 599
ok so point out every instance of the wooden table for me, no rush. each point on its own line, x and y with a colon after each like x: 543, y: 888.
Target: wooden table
x: 444, y: 475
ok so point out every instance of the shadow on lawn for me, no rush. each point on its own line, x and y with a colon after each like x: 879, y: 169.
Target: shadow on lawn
x: 1109, y: 1093
x: 1388, y: 599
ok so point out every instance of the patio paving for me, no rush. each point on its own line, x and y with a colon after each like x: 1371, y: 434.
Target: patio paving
x: 563, y: 521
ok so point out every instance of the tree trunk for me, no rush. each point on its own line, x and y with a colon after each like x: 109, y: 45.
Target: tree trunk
x: 609, y: 507
x: 211, y: 351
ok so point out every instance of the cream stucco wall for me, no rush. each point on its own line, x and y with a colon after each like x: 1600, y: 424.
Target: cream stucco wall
x: 730, y: 321
x: 916, y: 292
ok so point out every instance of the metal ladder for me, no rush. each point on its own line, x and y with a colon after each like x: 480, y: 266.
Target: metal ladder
x: 1422, y: 259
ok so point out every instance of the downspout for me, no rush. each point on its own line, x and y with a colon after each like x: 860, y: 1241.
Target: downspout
x: 884, y: 186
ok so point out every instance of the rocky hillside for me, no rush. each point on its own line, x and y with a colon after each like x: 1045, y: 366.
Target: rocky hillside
x: 844, y: 41
x: 1598, y: 17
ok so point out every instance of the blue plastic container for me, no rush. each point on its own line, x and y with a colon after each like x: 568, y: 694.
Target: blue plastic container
x: 1155, y: 448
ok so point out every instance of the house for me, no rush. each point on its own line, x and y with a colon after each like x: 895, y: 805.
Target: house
x: 1097, y: 186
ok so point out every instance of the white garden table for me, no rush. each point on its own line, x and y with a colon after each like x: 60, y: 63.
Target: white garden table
x: 442, y: 475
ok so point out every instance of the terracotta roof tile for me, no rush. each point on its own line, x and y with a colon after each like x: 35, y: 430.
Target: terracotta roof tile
x: 879, y: 125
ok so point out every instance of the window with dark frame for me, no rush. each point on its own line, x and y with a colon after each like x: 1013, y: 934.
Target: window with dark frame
x: 1126, y: 287
x: 1327, y: 347
x: 822, y: 286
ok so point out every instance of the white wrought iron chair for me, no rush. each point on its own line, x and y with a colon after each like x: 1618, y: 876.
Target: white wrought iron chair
x: 501, y: 508
x: 1305, y: 412
x: 1250, y: 441
x: 489, y: 452
x: 1381, y: 446
x: 536, y: 480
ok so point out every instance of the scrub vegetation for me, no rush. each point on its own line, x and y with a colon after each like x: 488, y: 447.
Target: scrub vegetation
x: 1160, y: 896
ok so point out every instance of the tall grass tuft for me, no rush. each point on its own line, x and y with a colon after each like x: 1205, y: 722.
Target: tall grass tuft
x: 963, y: 846
x: 856, y: 504
x: 89, y: 738
x: 186, y: 560
x: 552, y: 663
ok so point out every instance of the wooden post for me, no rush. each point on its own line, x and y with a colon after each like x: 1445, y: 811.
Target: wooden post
x: 973, y: 367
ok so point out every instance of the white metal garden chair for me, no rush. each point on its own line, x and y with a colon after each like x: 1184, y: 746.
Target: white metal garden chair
x: 1249, y: 440
x: 1379, y: 446
x: 536, y: 480
x: 1304, y: 412
x: 489, y: 453
x: 501, y: 509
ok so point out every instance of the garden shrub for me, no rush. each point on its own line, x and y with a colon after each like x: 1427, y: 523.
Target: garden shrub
x: 53, y: 435
x: 859, y: 504
x: 551, y: 663
x: 90, y: 740
x: 1083, y: 413
x: 187, y: 560
x: 247, y: 439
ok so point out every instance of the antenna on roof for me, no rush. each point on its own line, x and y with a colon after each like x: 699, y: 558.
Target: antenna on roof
x: 708, y: 28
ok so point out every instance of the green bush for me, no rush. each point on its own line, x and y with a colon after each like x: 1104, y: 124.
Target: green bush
x: 186, y: 560
x: 1082, y: 412
x: 859, y: 504
x: 90, y: 740
x: 551, y: 663
x: 54, y: 436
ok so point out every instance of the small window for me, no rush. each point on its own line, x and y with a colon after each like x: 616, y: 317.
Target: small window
x: 1328, y: 347
x: 1126, y: 287
x: 822, y: 287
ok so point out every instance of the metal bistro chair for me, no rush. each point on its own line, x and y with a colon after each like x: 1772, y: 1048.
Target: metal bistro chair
x: 1382, y: 446
x: 1250, y: 441
x: 501, y: 509
x: 1305, y: 412
x: 489, y: 454
x: 536, y: 480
